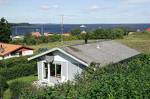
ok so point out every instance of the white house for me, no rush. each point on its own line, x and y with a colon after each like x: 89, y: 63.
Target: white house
x: 10, y: 51
x: 61, y: 64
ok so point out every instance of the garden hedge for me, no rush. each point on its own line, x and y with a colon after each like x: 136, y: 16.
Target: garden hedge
x: 126, y: 80
x: 17, y: 67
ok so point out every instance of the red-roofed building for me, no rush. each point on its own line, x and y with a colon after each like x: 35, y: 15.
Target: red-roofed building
x: 66, y: 34
x: 48, y: 34
x: 36, y: 34
x: 10, y: 50
x: 148, y: 29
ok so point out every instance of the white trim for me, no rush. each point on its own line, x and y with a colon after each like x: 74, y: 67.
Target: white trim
x: 49, y: 74
x: 56, y: 71
x: 67, y: 71
x: 42, y: 70
x: 54, y: 49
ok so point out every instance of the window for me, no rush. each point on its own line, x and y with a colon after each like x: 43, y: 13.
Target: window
x: 58, y: 70
x: 55, y: 70
x: 14, y: 54
x: 52, y: 69
x: 46, y: 70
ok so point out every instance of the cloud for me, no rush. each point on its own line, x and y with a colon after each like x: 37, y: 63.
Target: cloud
x: 47, y: 7
x: 97, y: 8
x: 92, y: 8
x: 44, y: 7
x: 136, y: 1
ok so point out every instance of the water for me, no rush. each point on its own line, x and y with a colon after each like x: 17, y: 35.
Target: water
x: 22, y: 29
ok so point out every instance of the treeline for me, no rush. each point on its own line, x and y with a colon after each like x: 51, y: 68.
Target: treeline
x: 32, y: 40
x: 76, y: 34
x: 115, y: 33
x: 125, y: 80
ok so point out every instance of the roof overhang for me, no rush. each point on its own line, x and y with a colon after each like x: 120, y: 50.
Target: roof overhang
x: 60, y: 50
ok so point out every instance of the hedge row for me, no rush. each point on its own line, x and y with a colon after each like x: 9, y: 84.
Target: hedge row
x: 3, y: 86
x: 17, y: 67
x: 31, y: 40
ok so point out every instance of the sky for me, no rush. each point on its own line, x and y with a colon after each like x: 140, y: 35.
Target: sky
x: 76, y: 11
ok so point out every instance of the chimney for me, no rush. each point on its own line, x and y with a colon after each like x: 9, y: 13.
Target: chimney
x: 98, y: 46
x: 1, y: 49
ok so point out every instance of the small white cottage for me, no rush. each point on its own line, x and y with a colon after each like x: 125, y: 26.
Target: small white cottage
x: 61, y: 64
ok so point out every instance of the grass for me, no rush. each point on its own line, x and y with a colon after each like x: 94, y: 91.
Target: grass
x: 138, y: 41
x: 28, y: 79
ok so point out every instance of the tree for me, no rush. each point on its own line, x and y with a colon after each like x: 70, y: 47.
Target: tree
x: 75, y: 32
x: 5, y: 30
x: 99, y: 34
x: 29, y: 39
x: 85, y: 36
x: 117, y: 33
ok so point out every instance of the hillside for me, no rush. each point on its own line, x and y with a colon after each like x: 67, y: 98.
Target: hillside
x: 138, y: 41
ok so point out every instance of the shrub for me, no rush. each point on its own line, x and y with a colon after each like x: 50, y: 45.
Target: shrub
x: 16, y: 88
x: 108, y: 33
x: 3, y: 86
x: 17, y: 67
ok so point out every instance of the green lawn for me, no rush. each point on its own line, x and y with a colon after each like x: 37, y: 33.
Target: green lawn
x: 28, y: 79
x: 138, y: 41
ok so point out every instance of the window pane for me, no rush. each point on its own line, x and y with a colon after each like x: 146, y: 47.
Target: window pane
x: 46, y: 70
x: 58, y: 70
x: 52, y: 69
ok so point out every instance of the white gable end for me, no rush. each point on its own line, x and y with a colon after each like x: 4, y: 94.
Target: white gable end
x: 59, y: 58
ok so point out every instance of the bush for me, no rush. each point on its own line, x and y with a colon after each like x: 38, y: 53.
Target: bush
x: 17, y: 67
x: 108, y: 33
x: 3, y: 86
x: 129, y: 79
x: 16, y: 88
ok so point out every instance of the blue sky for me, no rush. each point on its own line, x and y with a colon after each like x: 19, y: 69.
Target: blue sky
x: 76, y: 11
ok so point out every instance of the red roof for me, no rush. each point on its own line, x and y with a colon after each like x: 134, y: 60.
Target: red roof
x: 24, y: 49
x: 148, y: 29
x: 9, y: 48
x: 36, y: 34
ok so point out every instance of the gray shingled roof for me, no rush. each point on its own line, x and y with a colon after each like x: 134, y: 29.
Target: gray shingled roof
x: 108, y: 52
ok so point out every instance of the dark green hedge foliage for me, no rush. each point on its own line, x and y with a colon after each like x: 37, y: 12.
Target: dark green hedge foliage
x: 16, y: 87
x: 126, y: 80
x: 17, y: 67
x: 31, y: 40
x: 116, y: 33
x: 3, y: 86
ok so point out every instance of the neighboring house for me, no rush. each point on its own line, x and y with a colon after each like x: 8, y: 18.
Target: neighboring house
x: 36, y: 34
x: 10, y: 50
x: 17, y: 37
x: 66, y: 34
x: 61, y: 64
x: 48, y: 34
x: 148, y: 29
